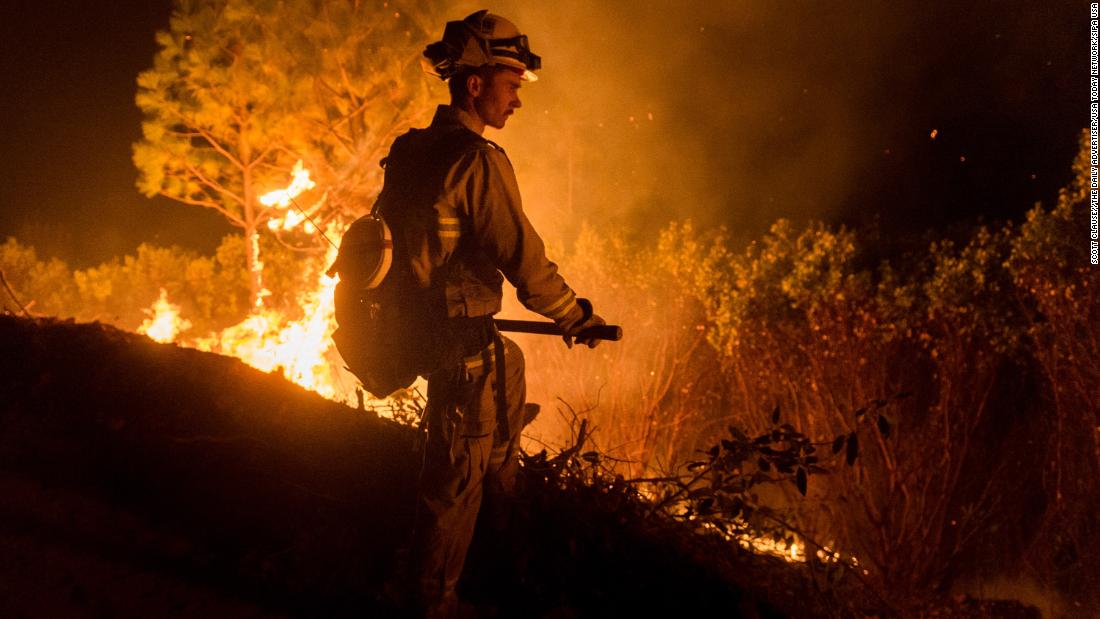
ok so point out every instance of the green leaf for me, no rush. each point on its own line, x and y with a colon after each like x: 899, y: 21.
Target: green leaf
x: 853, y: 449
x: 800, y: 480
x: 242, y: 85
x: 883, y: 426
x: 838, y: 444
x: 738, y: 434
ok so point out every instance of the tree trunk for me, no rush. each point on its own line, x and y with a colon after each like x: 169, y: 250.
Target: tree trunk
x: 255, y: 269
x: 252, y: 224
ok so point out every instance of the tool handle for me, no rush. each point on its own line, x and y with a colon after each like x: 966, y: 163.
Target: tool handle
x: 612, y: 333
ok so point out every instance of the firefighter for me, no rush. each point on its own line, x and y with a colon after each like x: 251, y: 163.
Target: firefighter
x: 451, y: 199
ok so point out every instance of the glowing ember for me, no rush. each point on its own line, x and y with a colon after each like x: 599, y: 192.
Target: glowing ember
x: 164, y: 323
x: 791, y: 551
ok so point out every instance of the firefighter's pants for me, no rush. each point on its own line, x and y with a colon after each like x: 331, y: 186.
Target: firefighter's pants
x: 475, y: 415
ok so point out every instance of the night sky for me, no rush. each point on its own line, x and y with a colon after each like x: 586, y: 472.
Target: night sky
x: 1003, y: 84
x: 67, y: 97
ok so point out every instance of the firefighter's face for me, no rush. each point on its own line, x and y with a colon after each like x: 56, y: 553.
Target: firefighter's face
x: 496, y: 97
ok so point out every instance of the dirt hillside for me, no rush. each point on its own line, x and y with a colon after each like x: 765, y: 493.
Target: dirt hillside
x: 142, y: 479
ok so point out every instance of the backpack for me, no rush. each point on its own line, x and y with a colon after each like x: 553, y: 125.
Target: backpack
x: 390, y: 329
x: 381, y: 327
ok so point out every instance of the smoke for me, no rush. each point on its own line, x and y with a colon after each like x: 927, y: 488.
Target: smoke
x: 733, y: 113
x: 740, y: 113
x: 647, y: 112
x: 743, y: 112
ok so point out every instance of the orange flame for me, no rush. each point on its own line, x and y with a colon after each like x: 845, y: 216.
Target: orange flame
x: 164, y: 322
x: 283, y: 198
x: 301, y: 350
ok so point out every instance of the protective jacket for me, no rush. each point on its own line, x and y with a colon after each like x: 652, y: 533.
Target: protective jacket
x: 452, y: 201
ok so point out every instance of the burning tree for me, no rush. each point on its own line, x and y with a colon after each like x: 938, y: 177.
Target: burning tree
x: 243, y: 90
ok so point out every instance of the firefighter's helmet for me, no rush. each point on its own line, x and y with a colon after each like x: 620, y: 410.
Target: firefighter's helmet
x: 480, y: 39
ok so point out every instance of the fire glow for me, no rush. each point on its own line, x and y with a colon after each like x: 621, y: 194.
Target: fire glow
x: 266, y: 339
x: 164, y: 322
x: 299, y: 349
x: 792, y: 550
x: 283, y: 198
x: 303, y: 352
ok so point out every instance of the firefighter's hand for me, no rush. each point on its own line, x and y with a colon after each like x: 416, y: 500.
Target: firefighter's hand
x: 590, y: 319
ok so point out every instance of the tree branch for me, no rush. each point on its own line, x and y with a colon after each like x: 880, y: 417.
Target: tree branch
x: 11, y: 293
x: 216, y: 186
x: 210, y: 139
x: 260, y: 158
x: 210, y: 204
